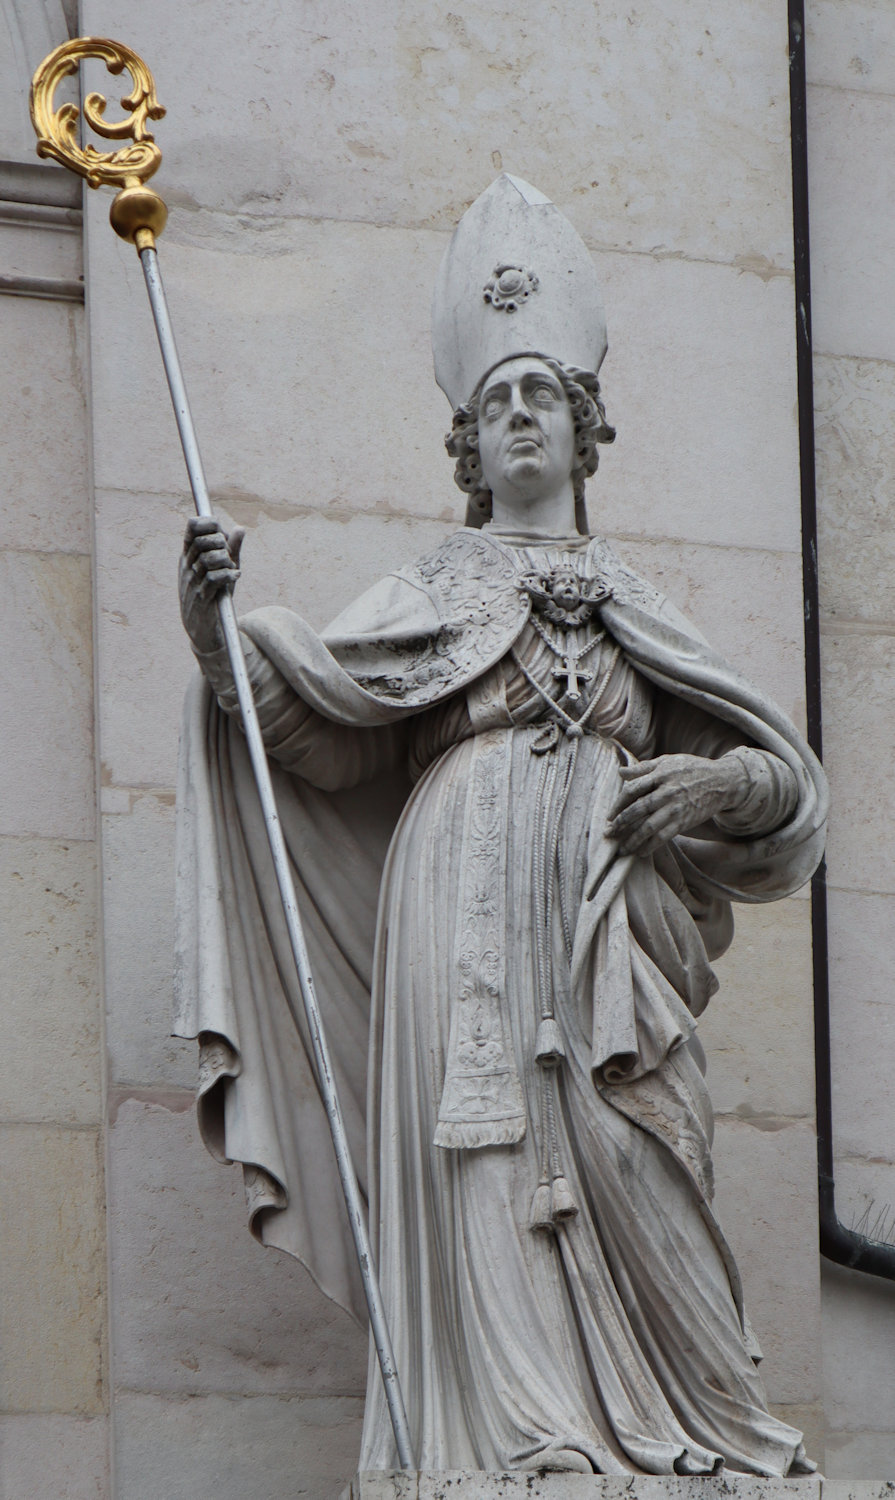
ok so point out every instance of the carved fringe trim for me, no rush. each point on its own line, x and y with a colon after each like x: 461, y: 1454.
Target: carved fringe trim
x: 469, y: 1134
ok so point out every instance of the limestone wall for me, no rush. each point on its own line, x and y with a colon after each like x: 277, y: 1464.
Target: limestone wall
x: 315, y: 160
x: 53, y: 1321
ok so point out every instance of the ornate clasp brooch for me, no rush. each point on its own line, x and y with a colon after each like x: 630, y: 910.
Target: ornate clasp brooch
x: 563, y: 597
x: 509, y: 286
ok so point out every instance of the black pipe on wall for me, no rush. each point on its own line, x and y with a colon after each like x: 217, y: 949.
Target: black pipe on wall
x: 844, y: 1246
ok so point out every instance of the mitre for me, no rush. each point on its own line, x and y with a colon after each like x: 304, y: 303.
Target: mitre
x: 515, y: 279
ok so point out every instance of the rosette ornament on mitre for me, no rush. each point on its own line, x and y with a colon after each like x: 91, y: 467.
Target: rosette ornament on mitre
x: 516, y: 279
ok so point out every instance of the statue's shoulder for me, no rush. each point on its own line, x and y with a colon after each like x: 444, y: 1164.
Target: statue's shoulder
x: 463, y: 579
x: 621, y: 582
x: 631, y: 591
x: 472, y: 582
x: 466, y: 562
x: 431, y: 627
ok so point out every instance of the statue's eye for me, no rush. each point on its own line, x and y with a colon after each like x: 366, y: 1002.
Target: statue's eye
x: 545, y: 395
x: 492, y: 407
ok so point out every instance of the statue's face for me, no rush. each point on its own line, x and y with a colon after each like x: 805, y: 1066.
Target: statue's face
x: 526, y: 431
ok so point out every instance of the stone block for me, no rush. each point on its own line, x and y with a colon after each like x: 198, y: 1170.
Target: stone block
x: 138, y: 927
x: 758, y: 1030
x: 322, y: 335
x: 472, y: 1484
x: 65, y: 1458
x: 143, y: 657
x: 862, y: 962
x: 315, y: 563
x: 859, y: 1335
x: 748, y: 604
x: 376, y: 1485
x: 50, y: 251
x: 855, y: 430
x: 340, y: 317
x: 199, y: 1305
x: 852, y: 1458
x: 851, y: 165
x: 52, y: 1324
x: 266, y: 1447
x: 700, y: 382
x: 403, y: 115
x: 767, y: 1204
x: 30, y: 32
x: 49, y: 979
x: 858, y: 692
x: 851, y: 46
x: 46, y: 769
x: 44, y: 504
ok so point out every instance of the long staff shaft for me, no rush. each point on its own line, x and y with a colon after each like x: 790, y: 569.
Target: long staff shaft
x: 279, y: 853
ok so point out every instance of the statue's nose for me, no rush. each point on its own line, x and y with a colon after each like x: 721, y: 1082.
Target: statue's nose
x: 520, y: 414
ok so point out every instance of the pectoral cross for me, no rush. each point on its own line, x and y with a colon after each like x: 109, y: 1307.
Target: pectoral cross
x: 573, y: 674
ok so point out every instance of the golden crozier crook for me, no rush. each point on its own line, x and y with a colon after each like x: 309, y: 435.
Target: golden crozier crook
x: 137, y: 212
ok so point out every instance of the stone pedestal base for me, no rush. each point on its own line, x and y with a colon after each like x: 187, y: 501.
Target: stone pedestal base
x: 469, y: 1484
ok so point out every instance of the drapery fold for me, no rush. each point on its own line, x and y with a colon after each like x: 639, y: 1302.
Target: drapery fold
x: 638, y: 974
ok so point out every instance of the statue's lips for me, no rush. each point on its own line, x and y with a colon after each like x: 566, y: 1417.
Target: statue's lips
x: 525, y: 442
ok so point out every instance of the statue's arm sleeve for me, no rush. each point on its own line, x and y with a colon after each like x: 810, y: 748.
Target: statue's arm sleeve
x: 770, y: 793
x: 328, y: 755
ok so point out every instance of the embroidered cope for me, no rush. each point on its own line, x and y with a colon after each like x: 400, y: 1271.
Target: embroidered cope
x: 538, y: 1129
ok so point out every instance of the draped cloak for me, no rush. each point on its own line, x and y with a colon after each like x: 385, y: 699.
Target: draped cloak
x: 424, y: 634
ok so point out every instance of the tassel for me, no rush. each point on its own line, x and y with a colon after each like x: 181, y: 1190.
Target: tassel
x: 549, y: 1048
x: 563, y: 1204
x: 541, y: 1216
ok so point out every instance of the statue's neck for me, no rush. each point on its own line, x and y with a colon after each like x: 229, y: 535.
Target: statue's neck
x: 541, y: 515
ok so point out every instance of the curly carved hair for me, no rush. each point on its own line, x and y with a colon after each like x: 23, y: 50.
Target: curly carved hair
x: 582, y: 390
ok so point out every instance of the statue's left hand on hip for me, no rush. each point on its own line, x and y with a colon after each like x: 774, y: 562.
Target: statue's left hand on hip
x: 670, y: 795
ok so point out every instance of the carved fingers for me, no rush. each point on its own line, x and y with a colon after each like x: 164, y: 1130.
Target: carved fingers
x: 211, y: 554
x: 209, y: 564
x: 670, y: 795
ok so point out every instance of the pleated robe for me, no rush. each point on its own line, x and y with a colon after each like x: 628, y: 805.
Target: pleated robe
x: 613, y: 1339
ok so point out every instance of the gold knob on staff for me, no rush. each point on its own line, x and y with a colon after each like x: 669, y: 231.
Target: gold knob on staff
x: 137, y: 213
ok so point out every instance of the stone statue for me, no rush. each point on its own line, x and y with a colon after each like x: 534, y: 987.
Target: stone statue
x: 520, y: 793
